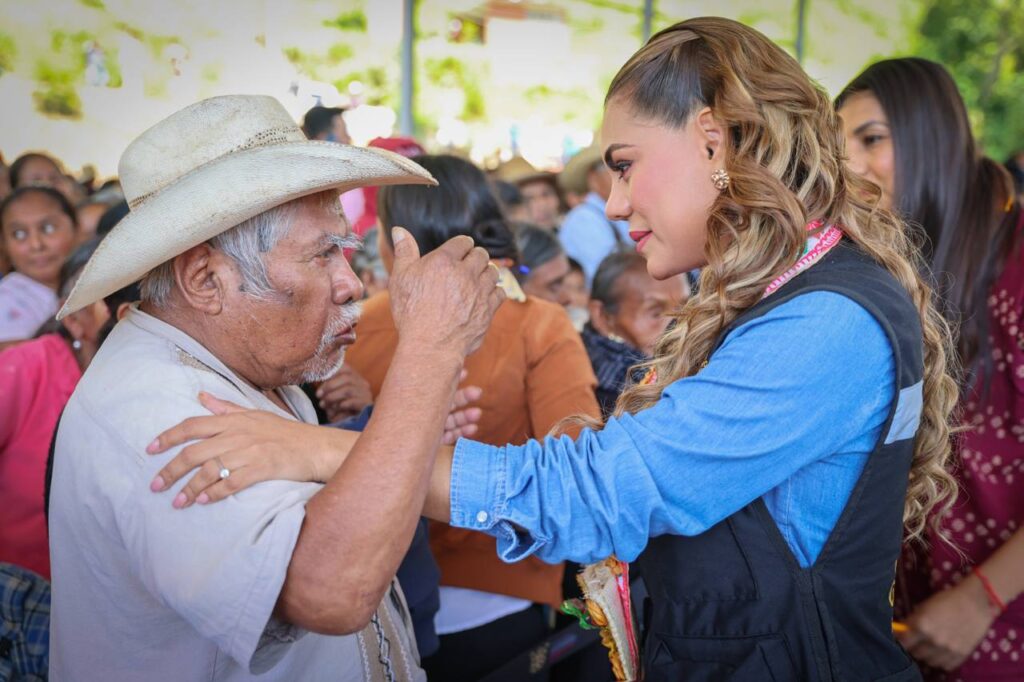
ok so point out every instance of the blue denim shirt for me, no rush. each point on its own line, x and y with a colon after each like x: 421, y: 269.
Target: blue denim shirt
x: 788, y: 409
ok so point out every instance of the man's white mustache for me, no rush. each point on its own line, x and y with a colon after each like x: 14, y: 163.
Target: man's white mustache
x: 347, y: 317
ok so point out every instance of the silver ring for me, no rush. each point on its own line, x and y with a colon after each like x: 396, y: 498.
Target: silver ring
x: 224, y: 471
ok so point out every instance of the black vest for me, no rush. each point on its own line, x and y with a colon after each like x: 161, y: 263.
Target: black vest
x: 733, y: 603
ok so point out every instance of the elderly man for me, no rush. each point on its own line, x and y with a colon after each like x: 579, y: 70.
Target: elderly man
x: 236, y: 232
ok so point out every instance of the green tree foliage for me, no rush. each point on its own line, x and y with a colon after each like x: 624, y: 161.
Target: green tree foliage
x: 450, y: 72
x: 8, y: 53
x: 981, y: 42
x: 61, y: 72
x: 348, y: 21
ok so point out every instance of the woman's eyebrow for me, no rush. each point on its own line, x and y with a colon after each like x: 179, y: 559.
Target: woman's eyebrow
x: 867, y: 124
x: 612, y: 148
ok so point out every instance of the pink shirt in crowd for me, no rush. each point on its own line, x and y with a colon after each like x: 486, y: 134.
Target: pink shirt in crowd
x: 36, y: 379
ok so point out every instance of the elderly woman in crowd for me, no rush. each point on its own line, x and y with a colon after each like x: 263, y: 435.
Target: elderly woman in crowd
x: 38, y: 230
x: 533, y: 371
x: 629, y: 311
x: 36, y: 379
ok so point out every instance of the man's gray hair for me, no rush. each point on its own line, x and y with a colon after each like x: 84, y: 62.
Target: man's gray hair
x: 245, y: 244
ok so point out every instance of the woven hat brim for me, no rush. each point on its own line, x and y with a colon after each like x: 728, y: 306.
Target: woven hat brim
x: 223, y: 193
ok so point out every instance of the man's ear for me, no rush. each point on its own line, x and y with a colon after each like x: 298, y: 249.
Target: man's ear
x: 598, y: 318
x: 711, y: 133
x: 203, y: 275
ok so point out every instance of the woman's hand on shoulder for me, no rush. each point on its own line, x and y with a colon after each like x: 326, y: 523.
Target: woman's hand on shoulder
x: 252, y: 445
x: 256, y: 446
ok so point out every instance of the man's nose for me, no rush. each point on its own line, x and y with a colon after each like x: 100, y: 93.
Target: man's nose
x: 345, y: 285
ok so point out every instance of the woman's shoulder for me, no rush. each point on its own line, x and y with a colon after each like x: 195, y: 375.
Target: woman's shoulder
x: 820, y: 322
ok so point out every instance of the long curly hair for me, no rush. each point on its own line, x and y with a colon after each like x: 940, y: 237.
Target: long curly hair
x: 785, y: 155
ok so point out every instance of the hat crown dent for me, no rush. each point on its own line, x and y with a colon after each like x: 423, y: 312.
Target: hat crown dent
x: 198, y: 134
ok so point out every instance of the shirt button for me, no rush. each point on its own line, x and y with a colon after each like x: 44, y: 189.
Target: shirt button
x: 481, y: 517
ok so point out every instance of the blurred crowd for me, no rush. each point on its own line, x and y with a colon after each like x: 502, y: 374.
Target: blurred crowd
x: 583, y: 312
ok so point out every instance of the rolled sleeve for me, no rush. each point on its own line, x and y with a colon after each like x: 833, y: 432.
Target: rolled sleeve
x: 479, y: 500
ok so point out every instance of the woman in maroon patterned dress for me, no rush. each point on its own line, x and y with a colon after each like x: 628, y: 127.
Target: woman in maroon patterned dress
x: 907, y: 130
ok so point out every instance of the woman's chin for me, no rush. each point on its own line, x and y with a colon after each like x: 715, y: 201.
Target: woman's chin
x: 661, y: 271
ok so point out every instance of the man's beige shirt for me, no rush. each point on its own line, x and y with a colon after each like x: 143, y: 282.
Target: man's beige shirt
x: 142, y: 591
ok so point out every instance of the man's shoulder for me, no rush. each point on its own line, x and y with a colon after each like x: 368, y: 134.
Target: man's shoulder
x: 582, y: 215
x: 140, y: 384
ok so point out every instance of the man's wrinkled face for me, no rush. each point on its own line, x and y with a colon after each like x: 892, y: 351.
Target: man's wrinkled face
x: 299, y: 332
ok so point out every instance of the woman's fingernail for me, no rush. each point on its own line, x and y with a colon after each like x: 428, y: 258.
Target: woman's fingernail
x: 153, y: 447
x: 203, y: 498
x: 179, y: 501
x: 157, y: 485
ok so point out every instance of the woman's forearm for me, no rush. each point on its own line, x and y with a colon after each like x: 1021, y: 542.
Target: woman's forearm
x: 1005, y: 568
x: 438, y: 502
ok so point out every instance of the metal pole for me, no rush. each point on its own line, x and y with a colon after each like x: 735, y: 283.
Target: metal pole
x: 648, y: 18
x: 405, y: 116
x: 801, y: 29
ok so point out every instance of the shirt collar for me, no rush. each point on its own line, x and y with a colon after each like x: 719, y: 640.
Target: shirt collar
x: 198, y: 356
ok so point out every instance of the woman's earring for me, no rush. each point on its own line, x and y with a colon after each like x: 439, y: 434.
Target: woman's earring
x: 721, y: 179
x: 76, y: 344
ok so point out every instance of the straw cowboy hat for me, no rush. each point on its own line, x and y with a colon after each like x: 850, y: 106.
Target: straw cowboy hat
x: 519, y: 171
x: 211, y: 166
x: 573, y: 177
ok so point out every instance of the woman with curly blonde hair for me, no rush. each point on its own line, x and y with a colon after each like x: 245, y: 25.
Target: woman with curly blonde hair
x: 793, y: 425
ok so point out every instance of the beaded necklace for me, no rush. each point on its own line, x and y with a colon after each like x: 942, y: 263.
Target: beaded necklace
x: 816, y: 248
